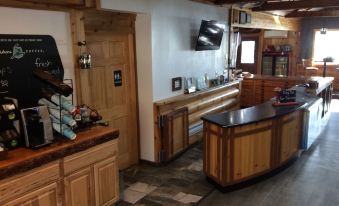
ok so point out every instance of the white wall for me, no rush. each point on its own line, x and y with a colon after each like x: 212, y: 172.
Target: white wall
x: 54, y: 23
x: 145, y: 89
x: 174, y: 26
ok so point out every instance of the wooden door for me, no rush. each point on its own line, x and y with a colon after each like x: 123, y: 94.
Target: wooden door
x: 175, y: 133
x: 79, y: 188
x: 106, y: 181
x: 247, y: 58
x: 45, y: 196
x: 112, y: 53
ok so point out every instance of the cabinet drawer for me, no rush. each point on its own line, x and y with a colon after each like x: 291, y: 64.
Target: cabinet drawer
x: 31, y: 180
x: 46, y: 196
x: 90, y: 156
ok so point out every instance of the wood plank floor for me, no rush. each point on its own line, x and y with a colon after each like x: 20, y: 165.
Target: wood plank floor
x: 313, y: 180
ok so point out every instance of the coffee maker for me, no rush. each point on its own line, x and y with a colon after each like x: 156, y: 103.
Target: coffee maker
x: 9, y: 123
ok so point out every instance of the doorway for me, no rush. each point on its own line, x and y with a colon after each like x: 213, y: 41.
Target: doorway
x: 110, y: 41
x: 248, y: 51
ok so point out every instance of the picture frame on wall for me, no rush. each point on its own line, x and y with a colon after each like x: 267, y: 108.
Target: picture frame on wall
x: 242, y: 17
x: 176, y: 84
x: 248, y: 18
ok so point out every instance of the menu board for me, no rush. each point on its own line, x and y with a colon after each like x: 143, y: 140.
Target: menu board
x: 20, y: 55
x: 287, y: 96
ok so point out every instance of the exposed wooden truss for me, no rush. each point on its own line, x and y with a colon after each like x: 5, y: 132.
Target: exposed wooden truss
x: 287, y: 8
x: 301, y: 4
x: 320, y: 13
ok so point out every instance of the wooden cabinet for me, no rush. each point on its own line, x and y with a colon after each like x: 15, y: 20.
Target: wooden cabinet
x: 252, y: 152
x: 93, y: 176
x: 79, y: 188
x: 291, y: 128
x: 33, y: 183
x: 106, y: 181
x: 175, y: 133
x: 258, y: 91
x: 45, y: 196
x: 171, y: 126
x: 88, y: 178
x: 235, y: 154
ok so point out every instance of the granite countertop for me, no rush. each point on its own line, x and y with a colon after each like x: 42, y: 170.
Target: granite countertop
x: 259, y: 112
x: 24, y: 159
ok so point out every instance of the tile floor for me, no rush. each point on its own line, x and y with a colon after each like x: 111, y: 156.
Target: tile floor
x: 181, y: 182
x: 313, y: 180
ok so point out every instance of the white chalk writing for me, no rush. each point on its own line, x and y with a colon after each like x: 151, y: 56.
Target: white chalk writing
x: 5, y: 52
x: 42, y: 64
x: 4, y: 71
x: 4, y: 83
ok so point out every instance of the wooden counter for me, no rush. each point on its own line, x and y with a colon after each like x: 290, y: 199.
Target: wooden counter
x: 177, y: 123
x: 248, y: 143
x: 260, y: 88
x: 79, y: 172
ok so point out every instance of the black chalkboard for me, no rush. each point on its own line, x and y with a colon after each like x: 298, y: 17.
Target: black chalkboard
x: 20, y: 55
x: 287, y: 96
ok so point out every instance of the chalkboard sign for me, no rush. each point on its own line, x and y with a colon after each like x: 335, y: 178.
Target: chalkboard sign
x: 20, y: 55
x: 287, y: 96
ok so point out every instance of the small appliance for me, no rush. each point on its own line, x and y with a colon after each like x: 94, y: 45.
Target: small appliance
x: 37, y: 126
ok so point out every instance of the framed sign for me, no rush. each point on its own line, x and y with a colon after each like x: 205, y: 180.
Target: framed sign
x: 242, y: 17
x: 117, y: 78
x: 176, y: 84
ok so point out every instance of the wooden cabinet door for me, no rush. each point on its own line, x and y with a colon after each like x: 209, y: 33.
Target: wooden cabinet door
x: 252, y: 152
x: 46, y: 196
x: 106, y: 181
x: 175, y: 133
x: 290, y: 136
x: 79, y: 188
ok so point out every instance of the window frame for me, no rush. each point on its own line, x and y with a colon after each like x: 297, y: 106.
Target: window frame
x: 317, y: 63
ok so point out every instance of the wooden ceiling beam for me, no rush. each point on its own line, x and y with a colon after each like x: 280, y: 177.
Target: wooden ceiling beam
x: 302, y: 4
x: 321, y: 13
x: 222, y: 2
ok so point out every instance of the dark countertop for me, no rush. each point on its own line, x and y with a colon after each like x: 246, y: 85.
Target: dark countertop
x: 23, y: 159
x: 259, y: 112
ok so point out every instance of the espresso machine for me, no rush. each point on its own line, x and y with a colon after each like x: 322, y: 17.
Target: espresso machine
x: 9, y: 123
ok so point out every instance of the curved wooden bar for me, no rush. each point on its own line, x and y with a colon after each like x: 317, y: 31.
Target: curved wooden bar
x: 248, y: 143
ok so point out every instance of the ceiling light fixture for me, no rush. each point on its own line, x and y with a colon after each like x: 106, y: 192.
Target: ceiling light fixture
x: 323, y: 30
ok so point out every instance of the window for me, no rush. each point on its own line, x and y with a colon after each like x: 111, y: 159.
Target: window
x: 247, y: 52
x: 326, y: 45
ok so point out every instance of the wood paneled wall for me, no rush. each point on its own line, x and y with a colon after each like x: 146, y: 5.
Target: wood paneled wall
x: 265, y: 21
x: 293, y: 40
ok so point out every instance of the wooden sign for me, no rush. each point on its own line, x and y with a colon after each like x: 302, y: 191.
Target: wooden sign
x: 20, y: 55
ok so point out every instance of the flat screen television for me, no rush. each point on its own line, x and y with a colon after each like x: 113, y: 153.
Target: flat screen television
x: 210, y: 35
